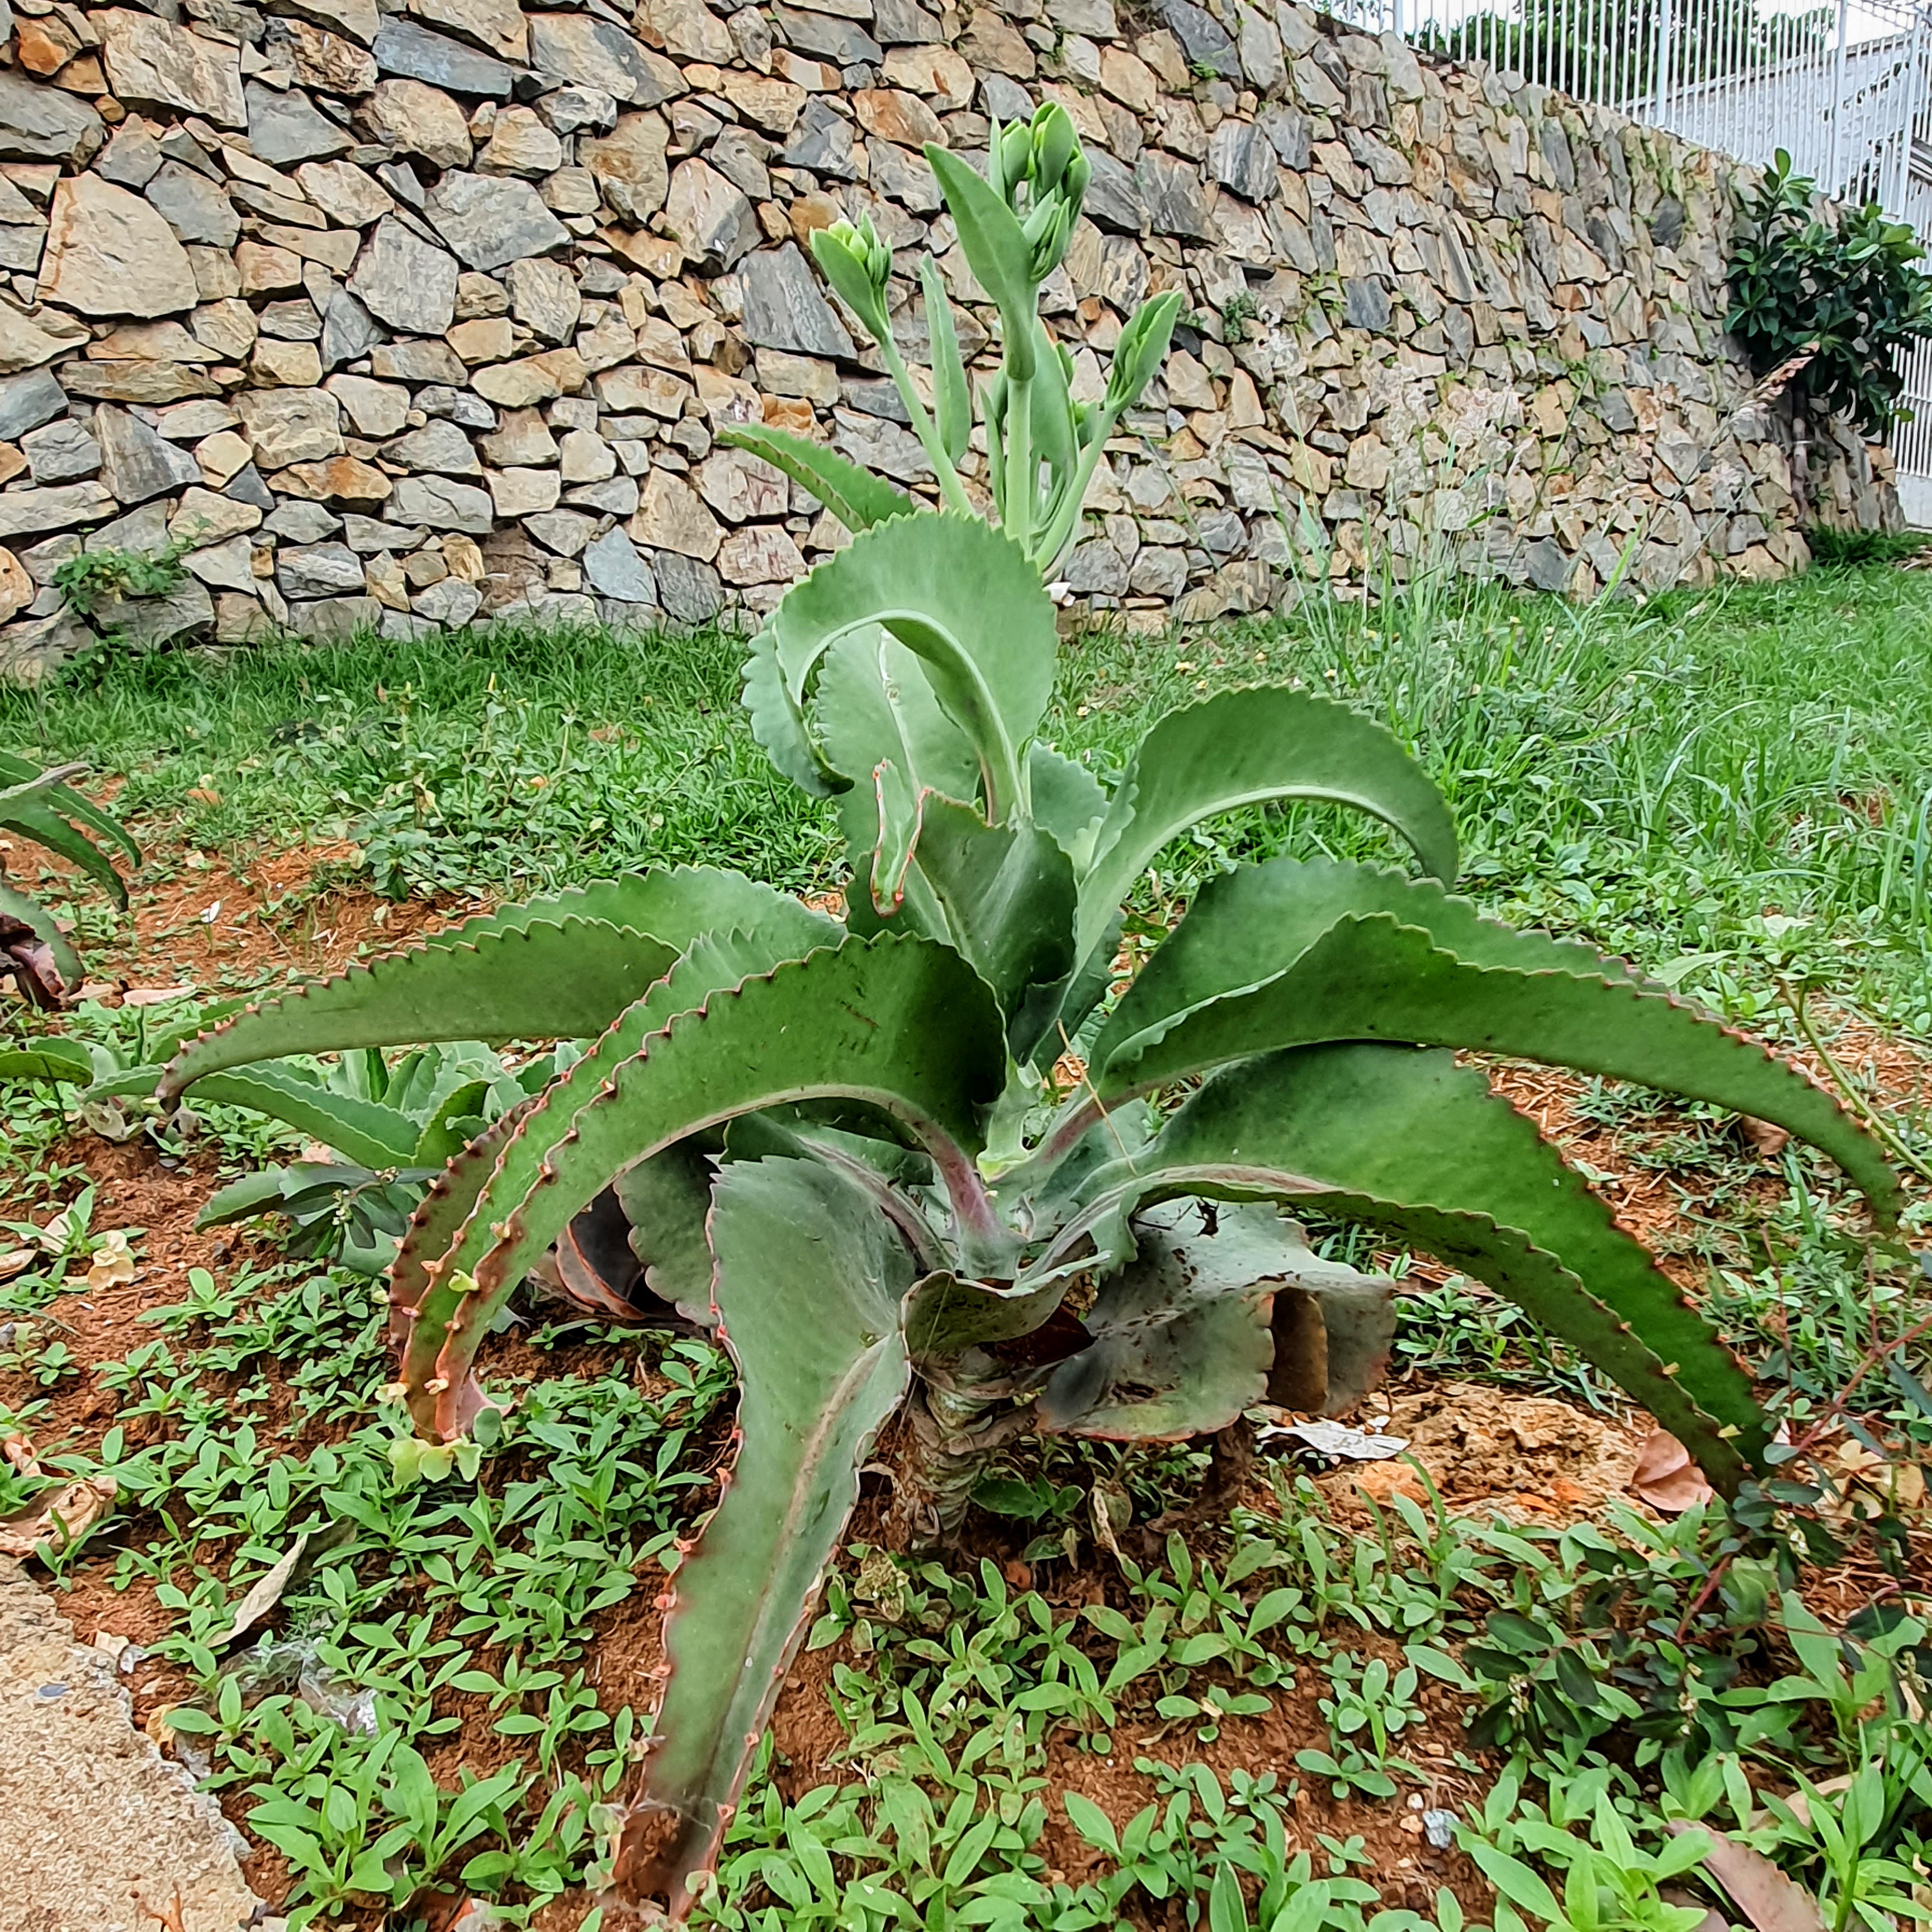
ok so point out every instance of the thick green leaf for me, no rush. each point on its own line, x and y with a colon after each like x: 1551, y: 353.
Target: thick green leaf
x: 1181, y: 1340
x: 810, y: 1275
x: 666, y: 1199
x: 548, y: 981
x: 364, y: 1131
x: 952, y: 405
x: 1007, y: 894
x: 778, y: 722
x: 945, y: 1316
x: 259, y: 1193
x: 963, y: 599
x: 857, y: 498
x: 1408, y: 1141
x: 1241, y: 748
x: 1051, y: 412
x: 903, y: 1025
x: 1374, y: 979
x: 74, y: 805
x: 1247, y: 927
x: 39, y: 822
x: 996, y: 251
x: 58, y: 1059
x: 1068, y: 800
x: 442, y: 1138
x: 566, y: 977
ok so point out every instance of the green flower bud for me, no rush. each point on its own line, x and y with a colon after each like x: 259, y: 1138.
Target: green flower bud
x: 1079, y: 172
x: 1015, y: 160
x: 859, y: 266
x: 1054, y: 144
x: 1141, y: 350
x: 1048, y: 228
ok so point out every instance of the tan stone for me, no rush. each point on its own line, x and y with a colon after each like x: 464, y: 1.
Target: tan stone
x: 814, y: 77
x: 671, y: 517
x: 937, y: 72
x: 375, y: 409
x: 419, y: 119
x: 789, y: 413
x: 335, y: 479
x: 108, y: 253
x: 521, y: 144
x: 150, y: 63
x: 760, y: 553
x: 625, y: 391
x: 535, y: 379
x: 991, y: 42
x: 740, y: 488
x: 497, y: 25
x: 227, y: 328
x: 266, y: 270
x: 486, y: 339
x: 286, y: 365
x: 223, y: 456
x: 523, y: 493
x: 330, y: 62
x: 687, y: 30
x: 1129, y: 80
x: 766, y: 102
x: 22, y: 345
x: 346, y: 193
x: 287, y: 426
x: 202, y: 517
x: 896, y: 116
x: 44, y: 47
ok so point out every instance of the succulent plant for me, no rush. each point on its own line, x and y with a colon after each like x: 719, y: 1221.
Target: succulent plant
x: 934, y: 1162
x: 41, y: 805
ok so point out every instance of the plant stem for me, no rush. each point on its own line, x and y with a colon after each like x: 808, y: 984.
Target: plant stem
x: 1068, y: 519
x: 1020, y: 480
x: 950, y: 487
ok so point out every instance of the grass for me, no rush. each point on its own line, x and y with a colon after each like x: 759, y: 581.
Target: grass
x: 1713, y: 783
x: 1733, y: 787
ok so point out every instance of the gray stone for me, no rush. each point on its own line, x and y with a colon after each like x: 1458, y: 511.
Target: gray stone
x: 497, y: 25
x: 144, y: 531
x: 1241, y: 157
x: 458, y: 406
x: 1260, y: 56
x: 1667, y: 223
x: 130, y: 160
x: 146, y: 622
x: 880, y: 446
x: 688, y: 587
x: 1093, y: 18
x: 571, y: 109
x: 1096, y: 569
x: 441, y: 447
x: 1365, y: 303
x: 490, y: 220
x: 1177, y: 202
x: 296, y: 522
x: 739, y: 156
x: 443, y: 505
x: 403, y: 281
x: 334, y: 620
x: 28, y: 512
x: 39, y: 123
x: 822, y: 141
x: 196, y: 209
x: 905, y: 23
x: 1549, y: 568
x: 321, y: 570
x: 614, y: 569
x: 348, y: 331
x: 784, y: 309
x: 246, y: 486
x: 61, y: 452
x: 418, y: 119
x: 904, y: 178
x: 591, y: 52
x: 544, y: 296
x: 1287, y: 135
x: 843, y: 43
x: 136, y: 463
x: 710, y: 217
x: 449, y: 603
x: 27, y: 401
x: 1203, y: 39
x: 566, y: 531
x: 1114, y: 196
x: 287, y: 128
x: 227, y: 565
x: 628, y: 165
x: 616, y: 497
x: 413, y: 53
x: 1005, y: 97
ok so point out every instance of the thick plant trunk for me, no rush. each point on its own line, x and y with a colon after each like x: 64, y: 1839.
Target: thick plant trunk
x: 955, y: 1430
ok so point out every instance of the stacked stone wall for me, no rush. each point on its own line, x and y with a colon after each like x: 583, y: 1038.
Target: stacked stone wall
x: 404, y: 312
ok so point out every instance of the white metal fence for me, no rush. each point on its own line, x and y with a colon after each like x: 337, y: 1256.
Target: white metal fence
x: 1845, y: 89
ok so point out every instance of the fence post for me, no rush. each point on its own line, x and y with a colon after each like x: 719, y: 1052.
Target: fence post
x: 1833, y: 186
x: 1659, y: 76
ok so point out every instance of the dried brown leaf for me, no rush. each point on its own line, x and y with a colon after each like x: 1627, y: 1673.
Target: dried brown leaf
x: 1665, y: 1477
x: 1762, y: 1893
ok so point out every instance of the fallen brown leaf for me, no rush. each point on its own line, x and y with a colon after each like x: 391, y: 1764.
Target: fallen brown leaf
x: 113, y: 1263
x: 1762, y: 1893
x: 1665, y: 1477
x: 46, y: 1528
